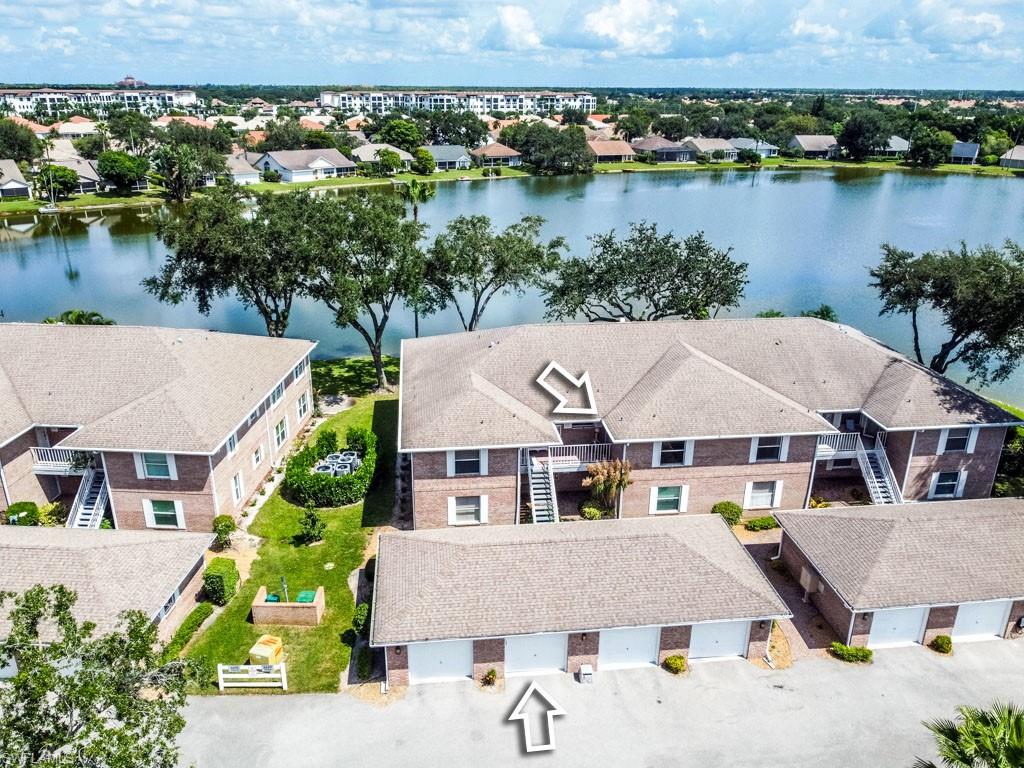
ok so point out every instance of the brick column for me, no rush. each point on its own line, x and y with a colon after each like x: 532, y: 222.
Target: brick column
x: 940, y: 622
x: 1016, y: 614
x: 861, y: 629
x: 487, y: 655
x: 398, y: 664
x: 675, y: 641
x: 757, y: 644
x: 582, y: 650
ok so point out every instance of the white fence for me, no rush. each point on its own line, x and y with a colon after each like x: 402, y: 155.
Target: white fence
x: 252, y: 676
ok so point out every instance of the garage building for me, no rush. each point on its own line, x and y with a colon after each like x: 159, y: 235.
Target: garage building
x: 454, y: 603
x: 893, y: 575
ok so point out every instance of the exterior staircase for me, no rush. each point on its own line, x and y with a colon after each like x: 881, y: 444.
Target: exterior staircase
x: 91, y: 501
x: 878, y: 475
x: 543, y: 500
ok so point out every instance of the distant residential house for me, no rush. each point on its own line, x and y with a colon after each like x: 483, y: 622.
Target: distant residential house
x: 240, y: 169
x: 665, y: 151
x: 496, y: 154
x: 76, y: 127
x: 355, y: 123
x: 710, y: 146
x: 964, y: 153
x: 763, y: 148
x: 897, y: 147
x: 195, y: 122
x: 612, y: 151
x: 12, y: 183
x: 265, y: 108
x: 449, y: 157
x: 89, y: 180
x: 816, y: 145
x: 306, y: 164
x: 1013, y: 158
x: 309, y: 124
x: 369, y: 153
x: 38, y: 129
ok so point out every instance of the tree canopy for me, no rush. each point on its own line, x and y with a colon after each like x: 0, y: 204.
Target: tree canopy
x: 864, y: 134
x: 978, y: 294
x: 404, y: 134
x: 646, y: 276
x: 133, y: 130
x: 122, y: 169
x: 55, y: 179
x: 550, y: 150
x: 451, y: 127
x: 182, y: 168
x: 18, y: 143
x: 929, y: 147
x: 979, y: 738
x: 79, y: 317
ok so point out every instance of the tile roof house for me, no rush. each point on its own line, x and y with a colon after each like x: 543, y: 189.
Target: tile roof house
x: 710, y: 146
x: 368, y: 153
x: 496, y: 154
x: 964, y: 152
x: 611, y: 151
x: 449, y: 157
x: 306, y: 164
x: 817, y: 145
x: 899, y: 575
x: 189, y: 435
x: 821, y: 400
x: 763, y: 148
x: 451, y: 604
x: 665, y: 151
x: 1013, y: 157
x: 12, y: 182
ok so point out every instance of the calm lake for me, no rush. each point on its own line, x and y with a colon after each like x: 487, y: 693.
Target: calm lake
x: 809, y: 237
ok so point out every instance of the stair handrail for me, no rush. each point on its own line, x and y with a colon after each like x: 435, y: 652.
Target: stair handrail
x: 99, y: 506
x: 83, y: 490
x: 890, y: 477
x: 865, y: 470
x: 551, y: 489
x: 529, y: 484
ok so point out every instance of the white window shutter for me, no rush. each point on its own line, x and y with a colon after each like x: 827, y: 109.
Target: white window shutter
x: 656, y: 455
x: 172, y: 467
x: 746, y: 495
x: 483, y: 462
x: 147, y: 511
x: 942, y: 442
x: 652, y: 507
x: 483, y: 509
x: 784, y: 448
x: 689, y: 453
x: 451, y: 463
x: 140, y: 470
x: 684, y: 497
x: 972, y: 440
x: 931, y: 485
x: 961, y: 483
x: 451, y: 510
x: 777, y: 494
x: 753, y: 450
x: 180, y: 513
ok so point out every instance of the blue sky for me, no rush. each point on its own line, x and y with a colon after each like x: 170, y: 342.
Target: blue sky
x: 857, y: 43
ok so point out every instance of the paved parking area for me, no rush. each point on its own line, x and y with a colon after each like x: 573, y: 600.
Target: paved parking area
x: 820, y: 712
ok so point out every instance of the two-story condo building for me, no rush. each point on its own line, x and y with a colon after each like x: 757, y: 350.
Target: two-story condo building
x: 762, y: 412
x: 149, y: 427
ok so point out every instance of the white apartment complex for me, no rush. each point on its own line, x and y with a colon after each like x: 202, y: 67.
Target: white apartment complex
x: 478, y: 102
x: 25, y: 101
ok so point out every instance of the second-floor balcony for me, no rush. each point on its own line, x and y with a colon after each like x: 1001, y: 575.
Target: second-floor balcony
x: 60, y: 461
x: 569, y: 458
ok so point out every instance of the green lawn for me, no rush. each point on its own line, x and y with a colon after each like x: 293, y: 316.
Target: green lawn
x: 790, y: 163
x: 84, y: 201
x: 316, y: 655
x: 341, y: 181
x: 472, y: 173
x: 352, y: 376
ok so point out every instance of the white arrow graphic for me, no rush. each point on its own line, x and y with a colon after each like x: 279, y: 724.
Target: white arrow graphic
x: 552, y: 710
x: 583, y: 382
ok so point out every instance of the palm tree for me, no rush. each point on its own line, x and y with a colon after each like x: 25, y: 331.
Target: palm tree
x: 979, y: 738
x: 416, y: 192
x: 79, y: 317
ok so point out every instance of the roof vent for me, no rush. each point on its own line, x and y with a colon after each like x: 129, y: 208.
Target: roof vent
x: 492, y: 344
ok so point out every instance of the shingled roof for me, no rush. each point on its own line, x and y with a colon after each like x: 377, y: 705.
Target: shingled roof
x: 895, y: 556
x: 496, y: 581
x: 664, y: 380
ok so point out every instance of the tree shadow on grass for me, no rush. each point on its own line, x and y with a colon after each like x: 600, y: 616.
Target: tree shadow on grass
x: 354, y: 376
x: 380, y: 501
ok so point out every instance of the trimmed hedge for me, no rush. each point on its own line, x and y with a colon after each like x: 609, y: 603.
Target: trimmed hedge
x: 364, y: 663
x: 305, y: 488
x: 23, y: 513
x: 188, y: 628
x: 942, y: 644
x: 765, y: 523
x: 730, y: 510
x: 853, y: 654
x: 223, y: 527
x: 220, y: 580
x: 675, y: 664
x: 591, y: 510
x: 361, y: 619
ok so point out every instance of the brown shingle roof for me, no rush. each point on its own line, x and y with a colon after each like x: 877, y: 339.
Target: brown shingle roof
x: 616, y: 147
x: 494, y: 150
x: 934, y: 553
x: 495, y: 581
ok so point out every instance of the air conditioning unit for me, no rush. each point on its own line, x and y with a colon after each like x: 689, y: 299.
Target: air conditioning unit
x: 810, y: 582
x: 586, y: 673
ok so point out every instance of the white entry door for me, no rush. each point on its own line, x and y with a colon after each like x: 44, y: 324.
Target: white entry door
x: 981, y: 621
x: 623, y: 648
x: 535, y: 654
x: 897, y: 626
x: 719, y: 640
x: 440, y: 661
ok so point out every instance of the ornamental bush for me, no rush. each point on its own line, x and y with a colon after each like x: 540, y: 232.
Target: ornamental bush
x: 23, y: 513
x: 188, y: 628
x: 312, y: 526
x: 675, y: 664
x: 765, y: 523
x: 851, y: 653
x: 589, y: 510
x: 490, y: 677
x: 361, y: 619
x: 223, y: 527
x: 220, y: 580
x: 53, y: 515
x: 730, y: 510
x: 305, y: 488
x: 942, y: 644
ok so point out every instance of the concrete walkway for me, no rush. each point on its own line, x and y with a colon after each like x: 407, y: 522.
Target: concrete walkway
x: 819, y: 712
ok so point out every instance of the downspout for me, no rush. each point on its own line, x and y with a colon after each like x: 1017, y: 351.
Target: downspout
x: 910, y: 457
x: 810, y: 483
x: 412, y: 487
x: 618, y: 511
x: 3, y: 486
x: 519, y: 488
x: 849, y: 632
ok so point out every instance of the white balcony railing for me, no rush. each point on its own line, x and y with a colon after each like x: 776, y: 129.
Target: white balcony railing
x: 571, y: 458
x: 59, y: 461
x: 837, y: 442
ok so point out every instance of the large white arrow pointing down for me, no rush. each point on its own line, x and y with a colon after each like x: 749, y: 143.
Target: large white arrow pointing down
x: 582, y: 383
x: 551, y: 708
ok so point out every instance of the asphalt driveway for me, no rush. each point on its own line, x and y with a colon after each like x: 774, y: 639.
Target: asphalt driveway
x: 820, y: 712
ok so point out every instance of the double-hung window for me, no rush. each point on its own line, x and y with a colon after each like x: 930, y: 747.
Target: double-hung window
x: 673, y: 453
x: 303, y: 405
x: 467, y: 510
x: 957, y: 440
x: 163, y: 513
x: 276, y: 395
x: 257, y: 456
x: 770, y: 448
x: 281, y: 432
x: 232, y: 444
x: 947, y: 485
x: 763, y: 494
x: 254, y: 415
x: 236, y: 487
x: 469, y: 462
x: 299, y: 369
x: 155, y: 466
x: 668, y: 500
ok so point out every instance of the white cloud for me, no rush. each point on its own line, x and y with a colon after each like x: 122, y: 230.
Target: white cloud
x: 633, y: 26
x: 514, y: 30
x: 821, y: 33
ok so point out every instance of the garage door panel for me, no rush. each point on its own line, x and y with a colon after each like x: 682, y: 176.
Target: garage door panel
x: 981, y: 621
x: 535, y: 654
x: 624, y: 648
x: 441, y: 661
x: 898, y: 626
x: 719, y: 640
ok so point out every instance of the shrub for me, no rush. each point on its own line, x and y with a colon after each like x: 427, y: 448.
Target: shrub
x: 188, y: 628
x: 606, y: 479
x: 675, y: 664
x: 53, y: 515
x: 942, y: 644
x: 850, y: 653
x: 590, y: 510
x: 364, y: 663
x: 361, y: 619
x: 220, y: 580
x: 490, y: 677
x: 306, y: 488
x: 223, y: 527
x: 765, y: 523
x: 106, y: 524
x: 818, y: 502
x: 271, y: 175
x: 312, y: 526
x: 730, y: 510
x: 23, y: 513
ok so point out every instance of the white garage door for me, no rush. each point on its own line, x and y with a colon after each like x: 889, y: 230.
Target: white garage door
x: 719, y: 640
x: 443, y: 660
x: 981, y: 621
x: 622, y: 648
x: 535, y: 654
x: 897, y: 626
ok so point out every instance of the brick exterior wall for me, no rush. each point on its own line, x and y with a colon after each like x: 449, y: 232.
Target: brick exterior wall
x: 861, y: 629
x: 1016, y: 614
x: 187, y: 600
x: 488, y: 654
x: 897, y: 450
x: 22, y: 483
x: 397, y: 657
x: 981, y: 465
x: 193, y: 489
x: 675, y: 641
x: 940, y: 622
x: 583, y: 648
x: 757, y: 644
x: 828, y: 603
x: 432, y: 487
x: 720, y: 471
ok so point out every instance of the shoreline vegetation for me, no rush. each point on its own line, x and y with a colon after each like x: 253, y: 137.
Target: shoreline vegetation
x: 153, y: 197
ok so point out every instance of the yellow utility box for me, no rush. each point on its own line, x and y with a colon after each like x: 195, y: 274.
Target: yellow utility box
x: 269, y: 649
